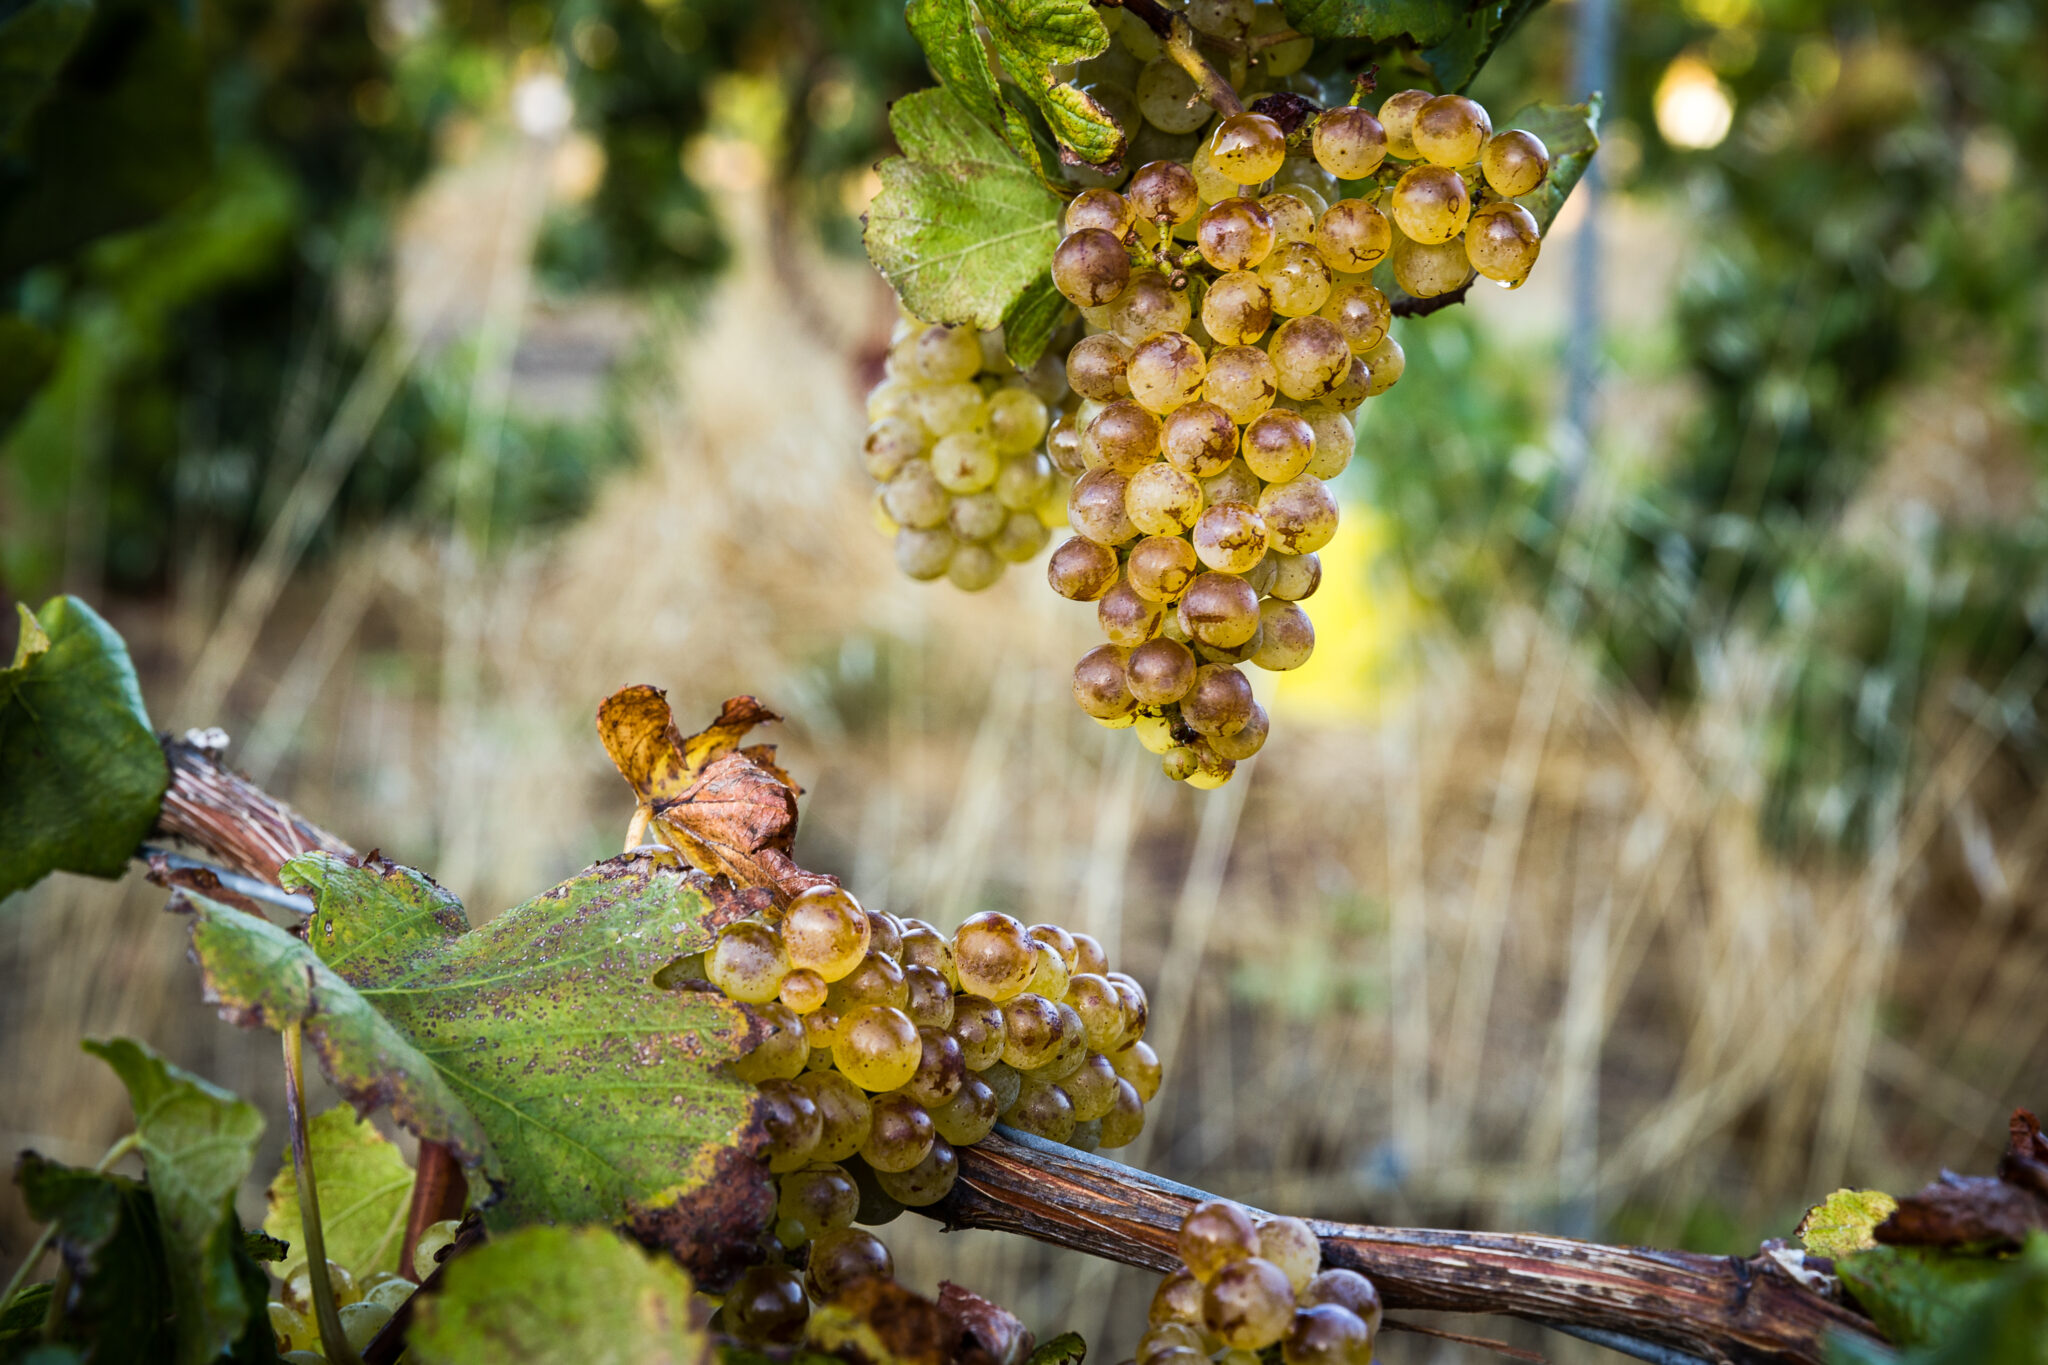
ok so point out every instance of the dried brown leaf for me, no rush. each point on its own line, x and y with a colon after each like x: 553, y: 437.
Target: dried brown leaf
x: 639, y: 732
x: 989, y: 1334
x: 1973, y: 1211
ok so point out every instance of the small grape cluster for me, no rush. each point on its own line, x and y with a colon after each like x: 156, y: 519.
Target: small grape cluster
x: 363, y: 1306
x: 1245, y: 1286
x: 953, y: 443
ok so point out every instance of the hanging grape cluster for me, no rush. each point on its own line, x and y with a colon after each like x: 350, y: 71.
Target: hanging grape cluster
x: 889, y: 1045
x: 953, y: 443
x: 1245, y: 1286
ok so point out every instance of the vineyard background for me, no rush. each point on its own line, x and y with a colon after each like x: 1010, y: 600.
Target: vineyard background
x: 1506, y: 928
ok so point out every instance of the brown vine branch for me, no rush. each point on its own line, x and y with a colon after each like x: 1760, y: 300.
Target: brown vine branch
x: 1409, y: 307
x: 1670, y: 1306
x: 1179, y: 38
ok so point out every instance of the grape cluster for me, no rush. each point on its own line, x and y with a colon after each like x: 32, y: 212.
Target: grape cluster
x: 953, y: 443
x: 1244, y: 1286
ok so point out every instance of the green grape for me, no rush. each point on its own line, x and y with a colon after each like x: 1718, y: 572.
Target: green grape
x: 877, y: 1047
x: 1102, y: 692
x: 1096, y: 367
x: 1022, y: 537
x: 1349, y: 1290
x: 288, y: 1324
x: 974, y: 567
x: 1385, y: 364
x: 1219, y: 609
x: 1063, y: 446
x: 1166, y: 372
x: 1242, y: 383
x: 1221, y: 19
x: 817, y: 1199
x: 1138, y: 1064
x: 1091, y: 1087
x: 825, y: 930
x: 1296, y: 277
x: 1248, y: 1303
x: 842, y: 1256
x: 1260, y: 575
x: 1300, y: 516
x: 890, y: 443
x: 978, y: 1027
x: 993, y: 952
x: 426, y: 1257
x: 1162, y: 501
x: 1091, y: 268
x: 1213, y: 185
x: 1086, y: 1137
x: 790, y: 1118
x: 1062, y: 943
x: 1309, y: 357
x: 1280, y: 59
x: 1154, y: 732
x: 1099, y: 208
x: 1451, y: 130
x: 947, y: 408
x: 965, y: 462
x: 1091, y: 995
x: 900, y: 1136
x: 782, y: 1051
x: 362, y: 1321
x: 1169, y: 98
x: 1164, y: 189
x: 1178, y: 1299
x: 1043, y: 1110
x: 1515, y: 163
x: 1353, y: 236
x: 766, y: 1306
x: 1201, y: 438
x: 1236, y: 311
x: 1334, y: 439
x: 804, y: 990
x: 1288, y: 637
x: 1050, y: 977
x: 1125, y: 1119
x: 1214, y: 1234
x: 891, y: 398
x: 1007, y: 1083
x: 913, y: 496
x: 1246, y: 742
x: 1095, y: 506
x: 1069, y: 1051
x: 1430, y: 205
x: 1160, y: 672
x: 992, y: 358
x: 1326, y: 1334
x: 821, y: 1027
x: 1427, y: 271
x: 1161, y: 567
x: 1082, y: 570
x: 967, y: 1118
x: 924, y: 555
x: 1292, y: 1245
x: 1349, y: 391
x: 1248, y: 148
x: 1234, y: 234
x: 1277, y: 446
x: 1220, y: 702
x: 878, y: 980
x: 940, y: 1069
x: 1349, y: 143
x: 1502, y: 241
x: 976, y: 516
x: 747, y: 962
x: 929, y: 1000
x: 1183, y: 1336
x: 1236, y: 483
x: 1031, y: 1031
x: 944, y: 354
x: 885, y: 935
x: 1148, y: 307
x: 845, y: 1114
x: 1230, y: 537
x: 1311, y: 197
x: 1397, y: 119
x: 926, y: 1183
x: 1024, y: 481
x: 1360, y: 313
x: 1293, y: 218
x: 1017, y: 419
x: 926, y: 947
x: 1088, y: 955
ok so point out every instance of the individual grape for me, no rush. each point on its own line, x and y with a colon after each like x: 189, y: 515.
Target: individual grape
x: 1278, y: 445
x: 926, y: 1183
x: 1042, y: 1109
x: 1163, y: 189
x: 1397, y: 119
x: 1148, y: 307
x: 1260, y: 575
x: 1214, y: 1234
x: 766, y: 1306
x: 1162, y: 501
x: 1353, y: 236
x: 1296, y: 277
x: 1219, y: 609
x: 993, y: 953
x: 1070, y: 1047
x: 1300, y: 516
x: 1427, y: 271
x: 876, y: 1207
x: 1334, y: 439
x: 1161, y: 567
x: 913, y: 496
x: 1292, y: 1245
x: 1124, y: 437
x: 1169, y: 98
x: 1136, y: 1008
x: 1007, y: 1083
x: 1350, y: 391
x: 926, y: 947
x: 1220, y: 702
x: 1248, y: 1303
x: 1242, y: 384
x: 1284, y: 58
x: 900, y: 1136
x: 1236, y: 311
x: 1295, y: 577
x: 1213, y: 185
x: 928, y: 997
x: 1024, y: 481
x: 1088, y: 955
x: 1099, y: 208
x: 1063, y: 446
x: 1166, y: 371
x: 877, y: 1047
x: 1309, y: 357
x: 1128, y: 620
x: 1137, y: 1063
x: 1451, y: 130
x: 1349, y: 143
x: 948, y: 408
x: 1234, y: 234
x: 885, y: 935
x: 426, y: 1257
x: 1177, y: 1299
x: 967, y: 1118
x: 789, y: 1116
x: 1248, y: 148
x: 782, y: 1052
x: 924, y: 555
x: 1017, y: 419
x: 1091, y: 268
x: 891, y: 398
x: 1101, y: 691
x: 288, y: 1324
x: 1502, y: 241
x: 1061, y: 941
x: 1125, y: 1119
x: 1515, y: 163
x: 965, y: 462
x: 1385, y: 362
x: 1096, y: 367
x: 940, y: 1068
x: 978, y: 1028
x: 1349, y: 1290
x: 1184, y: 1336
x: 1230, y: 538
x: 945, y: 354
x: 1236, y: 483
x: 1311, y: 197
x: 816, y: 1200
x: 1093, y: 998
x: 878, y: 980
x: 825, y: 930
x: 1286, y: 636
x: 1160, y: 672
x: 1360, y: 313
x: 1221, y: 19
x: 1294, y: 220
x: 1246, y: 742
x: 1031, y: 1031
x: 1326, y: 1334
x: 1095, y: 506
x: 977, y: 517
x: 821, y: 1027
x: 1201, y: 438
x: 842, y: 1256
x: 1430, y: 204
x: 747, y: 962
x: 1082, y: 570
x: 362, y: 1321
x: 890, y: 444
x: 1091, y: 1087
x: 1022, y: 537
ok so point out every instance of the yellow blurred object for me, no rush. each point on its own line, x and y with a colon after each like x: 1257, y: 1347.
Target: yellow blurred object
x: 1366, y: 617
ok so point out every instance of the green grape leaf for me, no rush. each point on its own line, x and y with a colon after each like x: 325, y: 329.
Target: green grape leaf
x: 1032, y: 36
x: 81, y: 774
x: 945, y: 29
x: 1457, y: 58
x: 365, y: 1191
x: 1065, y: 1349
x: 1916, y: 1295
x: 1029, y: 322
x: 1842, y: 1222
x: 1424, y: 22
x: 1571, y: 132
x: 2001, y: 1317
x: 962, y: 227
x: 262, y: 1247
x: 35, y: 42
x: 25, y: 1313
x: 197, y: 1143
x: 549, y: 1293
x: 538, y: 1045
x: 121, y: 1303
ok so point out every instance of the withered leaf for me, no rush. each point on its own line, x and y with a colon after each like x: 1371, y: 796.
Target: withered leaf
x: 1965, y: 1211
x: 876, y: 1320
x: 990, y: 1334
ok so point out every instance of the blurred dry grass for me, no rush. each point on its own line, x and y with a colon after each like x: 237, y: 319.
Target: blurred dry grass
x: 1499, y: 948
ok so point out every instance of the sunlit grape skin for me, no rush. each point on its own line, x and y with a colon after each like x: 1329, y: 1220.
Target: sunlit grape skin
x: 1397, y: 119
x: 1214, y: 1234
x: 1161, y: 567
x: 1248, y: 148
x: 1430, y: 204
x: 1451, y: 130
x: 1502, y: 242
x: 1164, y: 189
x: 1248, y: 1304
x: 1234, y: 234
x: 1349, y: 142
x: 1515, y: 163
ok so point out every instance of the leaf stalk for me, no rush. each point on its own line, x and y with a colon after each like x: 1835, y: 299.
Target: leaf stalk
x: 333, y: 1341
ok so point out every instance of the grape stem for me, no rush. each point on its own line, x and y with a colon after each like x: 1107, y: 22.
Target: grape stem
x: 1407, y: 306
x: 1179, y: 38
x: 333, y: 1341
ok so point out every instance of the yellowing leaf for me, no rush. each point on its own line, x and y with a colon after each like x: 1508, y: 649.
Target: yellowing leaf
x: 1842, y: 1222
x: 365, y: 1190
